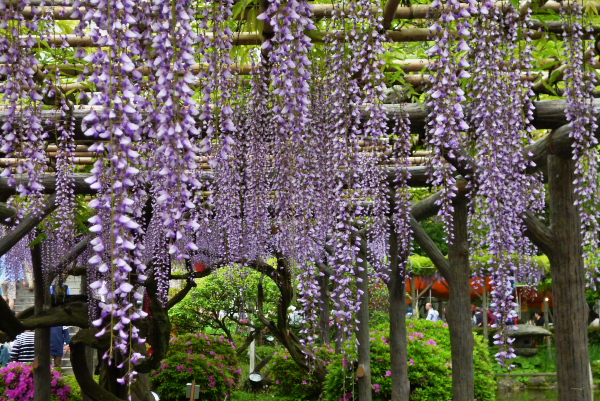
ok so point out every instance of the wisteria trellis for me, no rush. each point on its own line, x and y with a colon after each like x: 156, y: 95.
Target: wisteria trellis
x: 287, y: 172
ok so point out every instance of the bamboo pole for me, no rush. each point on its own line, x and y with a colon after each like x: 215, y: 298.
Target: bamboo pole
x: 247, y: 38
x: 319, y: 11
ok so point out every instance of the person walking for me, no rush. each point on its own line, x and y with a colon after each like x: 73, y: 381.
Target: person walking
x: 23, y: 349
x: 432, y: 314
x: 9, y: 287
x: 59, y: 344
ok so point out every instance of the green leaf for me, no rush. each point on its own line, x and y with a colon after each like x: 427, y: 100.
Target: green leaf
x: 238, y: 8
x: 547, y: 66
x: 38, y: 240
x: 554, y: 76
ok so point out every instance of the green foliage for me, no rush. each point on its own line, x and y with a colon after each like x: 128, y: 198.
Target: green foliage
x: 209, y: 360
x: 594, y: 352
x: 244, y: 396
x: 435, y: 228
x: 596, y: 369
x: 264, y: 351
x: 292, y: 383
x: 76, y: 394
x: 543, y: 362
x: 420, y: 265
x: 233, y: 290
x: 429, y: 368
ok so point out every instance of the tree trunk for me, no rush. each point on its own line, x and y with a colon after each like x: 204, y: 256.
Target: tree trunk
x: 41, y: 366
x: 324, y: 312
x: 362, y: 335
x: 459, y: 308
x: 398, y: 308
x: 568, y: 284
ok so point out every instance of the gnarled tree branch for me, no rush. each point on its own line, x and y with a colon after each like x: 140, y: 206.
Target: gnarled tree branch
x: 27, y: 224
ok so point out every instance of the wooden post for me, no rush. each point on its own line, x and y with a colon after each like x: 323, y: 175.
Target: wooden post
x: 193, y: 390
x: 362, y: 335
x: 324, y: 312
x: 459, y: 308
x: 41, y: 364
x: 397, y: 310
x: 568, y: 283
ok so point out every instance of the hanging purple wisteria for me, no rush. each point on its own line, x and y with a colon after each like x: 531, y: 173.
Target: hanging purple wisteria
x: 115, y: 124
x: 447, y: 124
x: 23, y: 133
x: 580, y: 82
x: 502, y: 191
x: 197, y: 166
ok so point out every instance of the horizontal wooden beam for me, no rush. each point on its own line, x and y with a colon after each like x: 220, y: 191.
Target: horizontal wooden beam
x: 254, y: 39
x: 548, y: 114
x: 319, y: 11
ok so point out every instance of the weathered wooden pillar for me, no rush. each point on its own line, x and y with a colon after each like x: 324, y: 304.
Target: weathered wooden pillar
x: 568, y: 283
x: 325, y: 310
x: 41, y: 366
x: 362, y: 335
x: 459, y: 308
x: 397, y: 310
x: 89, y: 351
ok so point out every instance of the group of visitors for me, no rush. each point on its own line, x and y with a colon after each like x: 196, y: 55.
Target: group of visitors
x: 8, y: 281
x: 477, y: 314
x: 432, y: 314
x: 23, y: 348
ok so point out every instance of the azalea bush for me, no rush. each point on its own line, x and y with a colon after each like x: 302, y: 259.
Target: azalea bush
x: 76, y: 394
x: 429, y: 366
x: 16, y: 383
x: 209, y: 360
x: 292, y: 383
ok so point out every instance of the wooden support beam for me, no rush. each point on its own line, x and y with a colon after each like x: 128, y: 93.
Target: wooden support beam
x: 548, y: 114
x: 319, y: 11
x: 28, y: 223
x: 253, y: 39
x: 6, y: 212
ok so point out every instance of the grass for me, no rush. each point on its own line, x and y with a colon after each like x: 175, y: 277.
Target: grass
x: 594, y: 351
x: 244, y: 396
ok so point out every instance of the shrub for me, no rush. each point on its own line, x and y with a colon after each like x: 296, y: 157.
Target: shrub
x: 16, y: 383
x: 594, y: 336
x: 429, y: 367
x: 292, y: 383
x: 71, y: 381
x: 596, y: 369
x: 209, y: 360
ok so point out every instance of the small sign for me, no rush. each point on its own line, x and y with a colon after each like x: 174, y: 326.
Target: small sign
x: 188, y: 391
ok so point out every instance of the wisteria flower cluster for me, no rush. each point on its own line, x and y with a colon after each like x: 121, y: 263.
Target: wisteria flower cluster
x: 23, y: 132
x: 447, y: 123
x: 579, y: 85
x: 502, y: 192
